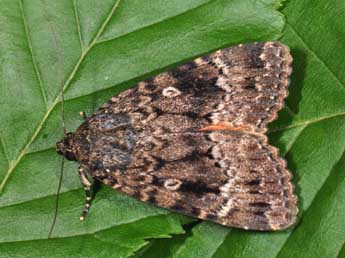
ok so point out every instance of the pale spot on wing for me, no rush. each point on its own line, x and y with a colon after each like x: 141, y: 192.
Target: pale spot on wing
x: 170, y: 92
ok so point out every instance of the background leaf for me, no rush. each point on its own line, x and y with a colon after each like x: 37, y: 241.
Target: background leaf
x: 97, y: 49
x: 310, y: 132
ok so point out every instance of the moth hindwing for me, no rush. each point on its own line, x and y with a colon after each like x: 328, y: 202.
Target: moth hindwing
x: 192, y: 140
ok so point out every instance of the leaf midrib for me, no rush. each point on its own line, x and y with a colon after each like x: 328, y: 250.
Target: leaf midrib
x: 56, y: 101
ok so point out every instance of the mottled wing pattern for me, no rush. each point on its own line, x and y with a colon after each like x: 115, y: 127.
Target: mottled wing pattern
x: 191, y: 139
x: 242, y: 87
x: 232, y: 178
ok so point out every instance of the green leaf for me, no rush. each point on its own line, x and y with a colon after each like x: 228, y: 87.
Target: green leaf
x: 95, y: 49
x: 310, y: 132
x: 205, y: 240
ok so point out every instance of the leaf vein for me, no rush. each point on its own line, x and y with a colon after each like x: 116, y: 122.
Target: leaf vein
x: 105, y: 23
x: 290, y: 145
x: 38, y: 75
x: 341, y: 251
x: 4, y: 149
x: 75, y: 9
x: 155, y: 23
x: 45, y: 117
x: 307, y: 122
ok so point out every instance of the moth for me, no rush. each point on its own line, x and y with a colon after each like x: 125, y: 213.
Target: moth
x: 192, y: 140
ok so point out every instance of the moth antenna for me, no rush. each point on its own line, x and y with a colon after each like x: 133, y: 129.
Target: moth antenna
x: 63, y: 112
x: 57, y: 196
x: 60, y: 76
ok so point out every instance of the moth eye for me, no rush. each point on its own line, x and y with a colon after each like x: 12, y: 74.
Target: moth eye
x: 171, y: 92
x: 172, y: 184
x: 70, y: 155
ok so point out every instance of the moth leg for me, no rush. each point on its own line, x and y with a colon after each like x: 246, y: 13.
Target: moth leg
x: 88, y: 185
x: 83, y: 115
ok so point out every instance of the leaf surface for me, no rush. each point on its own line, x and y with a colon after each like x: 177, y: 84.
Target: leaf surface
x: 94, y: 50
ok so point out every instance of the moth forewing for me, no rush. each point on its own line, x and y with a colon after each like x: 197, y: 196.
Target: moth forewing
x: 192, y: 140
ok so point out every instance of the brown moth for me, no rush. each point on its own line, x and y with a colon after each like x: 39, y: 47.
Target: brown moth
x: 192, y: 140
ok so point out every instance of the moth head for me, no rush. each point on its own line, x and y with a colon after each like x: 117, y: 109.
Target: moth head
x: 65, y: 147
